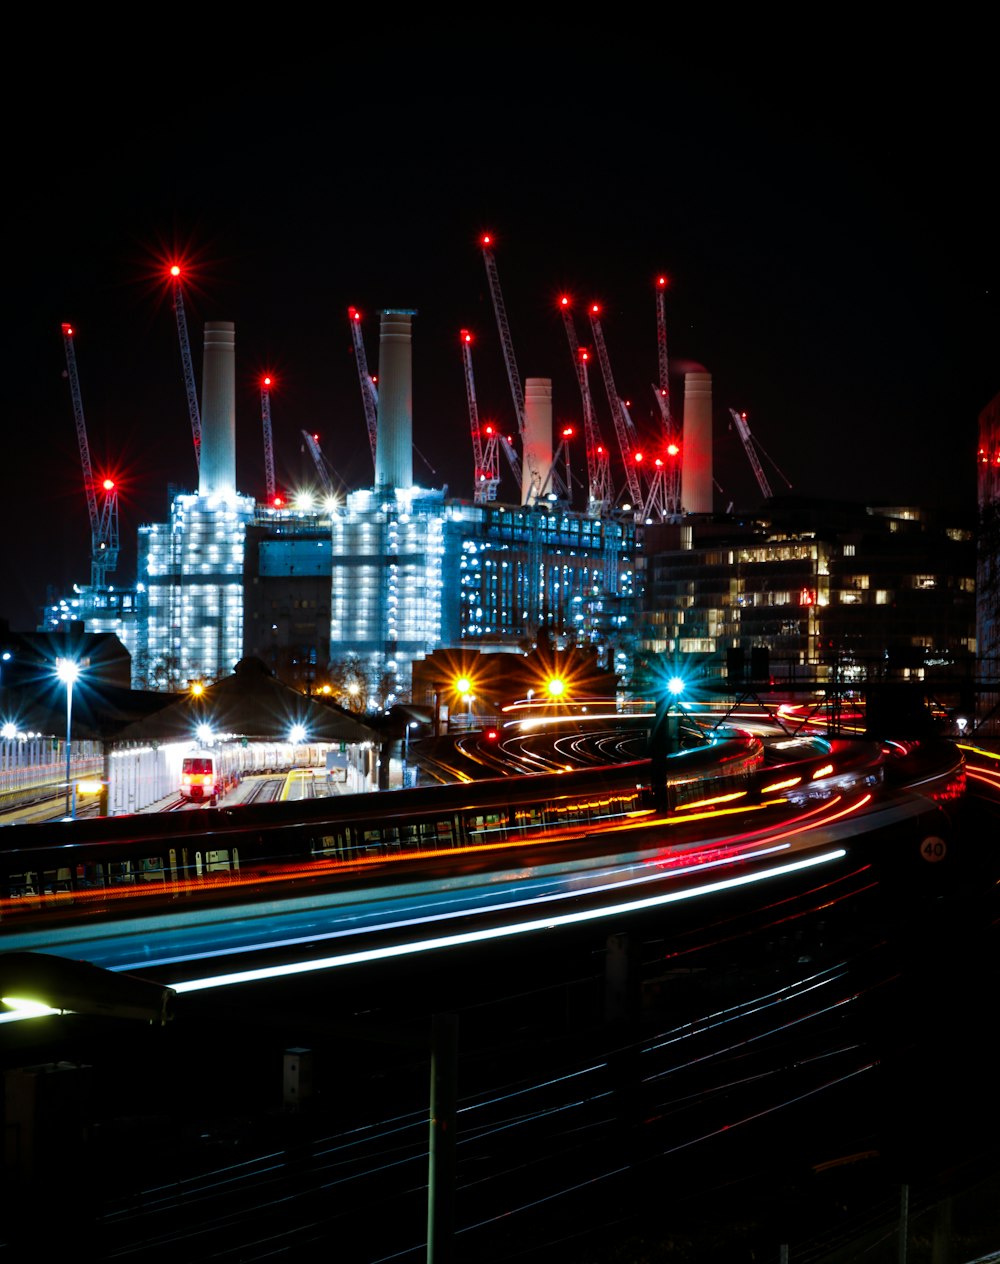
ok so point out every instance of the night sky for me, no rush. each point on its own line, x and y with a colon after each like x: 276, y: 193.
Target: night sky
x: 830, y: 238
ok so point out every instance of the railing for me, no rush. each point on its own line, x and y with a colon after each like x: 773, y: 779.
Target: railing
x: 38, y: 764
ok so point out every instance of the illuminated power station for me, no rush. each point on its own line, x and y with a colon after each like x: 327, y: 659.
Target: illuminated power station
x: 398, y: 571
x: 389, y: 575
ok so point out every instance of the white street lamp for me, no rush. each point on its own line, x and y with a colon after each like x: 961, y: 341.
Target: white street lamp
x: 411, y: 724
x: 68, y: 670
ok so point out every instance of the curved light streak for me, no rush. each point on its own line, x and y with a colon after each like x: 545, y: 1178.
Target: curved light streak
x: 390, y: 951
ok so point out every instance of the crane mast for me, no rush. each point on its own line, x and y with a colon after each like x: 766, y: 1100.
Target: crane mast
x: 265, y: 412
x: 663, y: 390
x: 623, y: 424
x: 672, y: 478
x: 103, y: 520
x: 600, y: 494
x: 189, y: 384
x: 369, y: 398
x: 486, y: 477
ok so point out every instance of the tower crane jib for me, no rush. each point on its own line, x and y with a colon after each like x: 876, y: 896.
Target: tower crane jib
x: 185, y: 344
x: 513, y: 377
x: 103, y: 519
x: 369, y: 396
x: 322, y: 465
x: 600, y: 491
x: 486, y: 478
x: 750, y: 447
x: 622, y: 422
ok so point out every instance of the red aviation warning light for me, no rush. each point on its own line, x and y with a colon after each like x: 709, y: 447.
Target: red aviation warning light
x: 67, y: 330
x: 354, y: 313
x: 662, y: 282
x: 486, y: 240
x: 174, y: 270
x: 108, y: 484
x: 673, y: 449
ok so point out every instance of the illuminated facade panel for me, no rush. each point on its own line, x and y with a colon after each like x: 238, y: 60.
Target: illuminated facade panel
x: 192, y: 569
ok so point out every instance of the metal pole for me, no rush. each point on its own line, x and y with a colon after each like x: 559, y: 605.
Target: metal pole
x: 441, y: 1169
x: 69, y: 727
x: 904, y: 1221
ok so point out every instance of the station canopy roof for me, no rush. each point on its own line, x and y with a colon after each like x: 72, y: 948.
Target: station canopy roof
x: 251, y: 703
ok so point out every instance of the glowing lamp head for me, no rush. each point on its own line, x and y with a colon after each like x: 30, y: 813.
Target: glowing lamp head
x: 675, y: 686
x: 555, y: 687
x: 297, y: 733
x: 486, y: 240
x: 672, y: 449
x: 68, y: 670
x: 108, y: 484
x: 463, y: 686
x: 174, y: 270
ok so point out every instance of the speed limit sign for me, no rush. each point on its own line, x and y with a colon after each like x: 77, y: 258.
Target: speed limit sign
x: 933, y: 849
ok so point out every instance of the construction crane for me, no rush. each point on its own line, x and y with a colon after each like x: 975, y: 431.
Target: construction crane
x: 324, y: 469
x: 103, y: 520
x: 265, y: 412
x: 561, y: 490
x: 513, y: 377
x: 369, y: 397
x: 750, y: 445
x: 672, y: 481
x: 486, y: 477
x: 623, y: 423
x: 189, y: 383
x: 600, y: 495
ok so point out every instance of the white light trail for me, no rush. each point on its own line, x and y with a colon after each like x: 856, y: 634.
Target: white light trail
x: 497, y: 932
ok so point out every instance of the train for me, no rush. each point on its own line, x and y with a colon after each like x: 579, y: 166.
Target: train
x: 207, y: 775
x: 245, y: 851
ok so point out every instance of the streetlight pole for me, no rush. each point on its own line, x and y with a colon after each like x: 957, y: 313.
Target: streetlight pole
x: 410, y: 724
x: 67, y: 669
